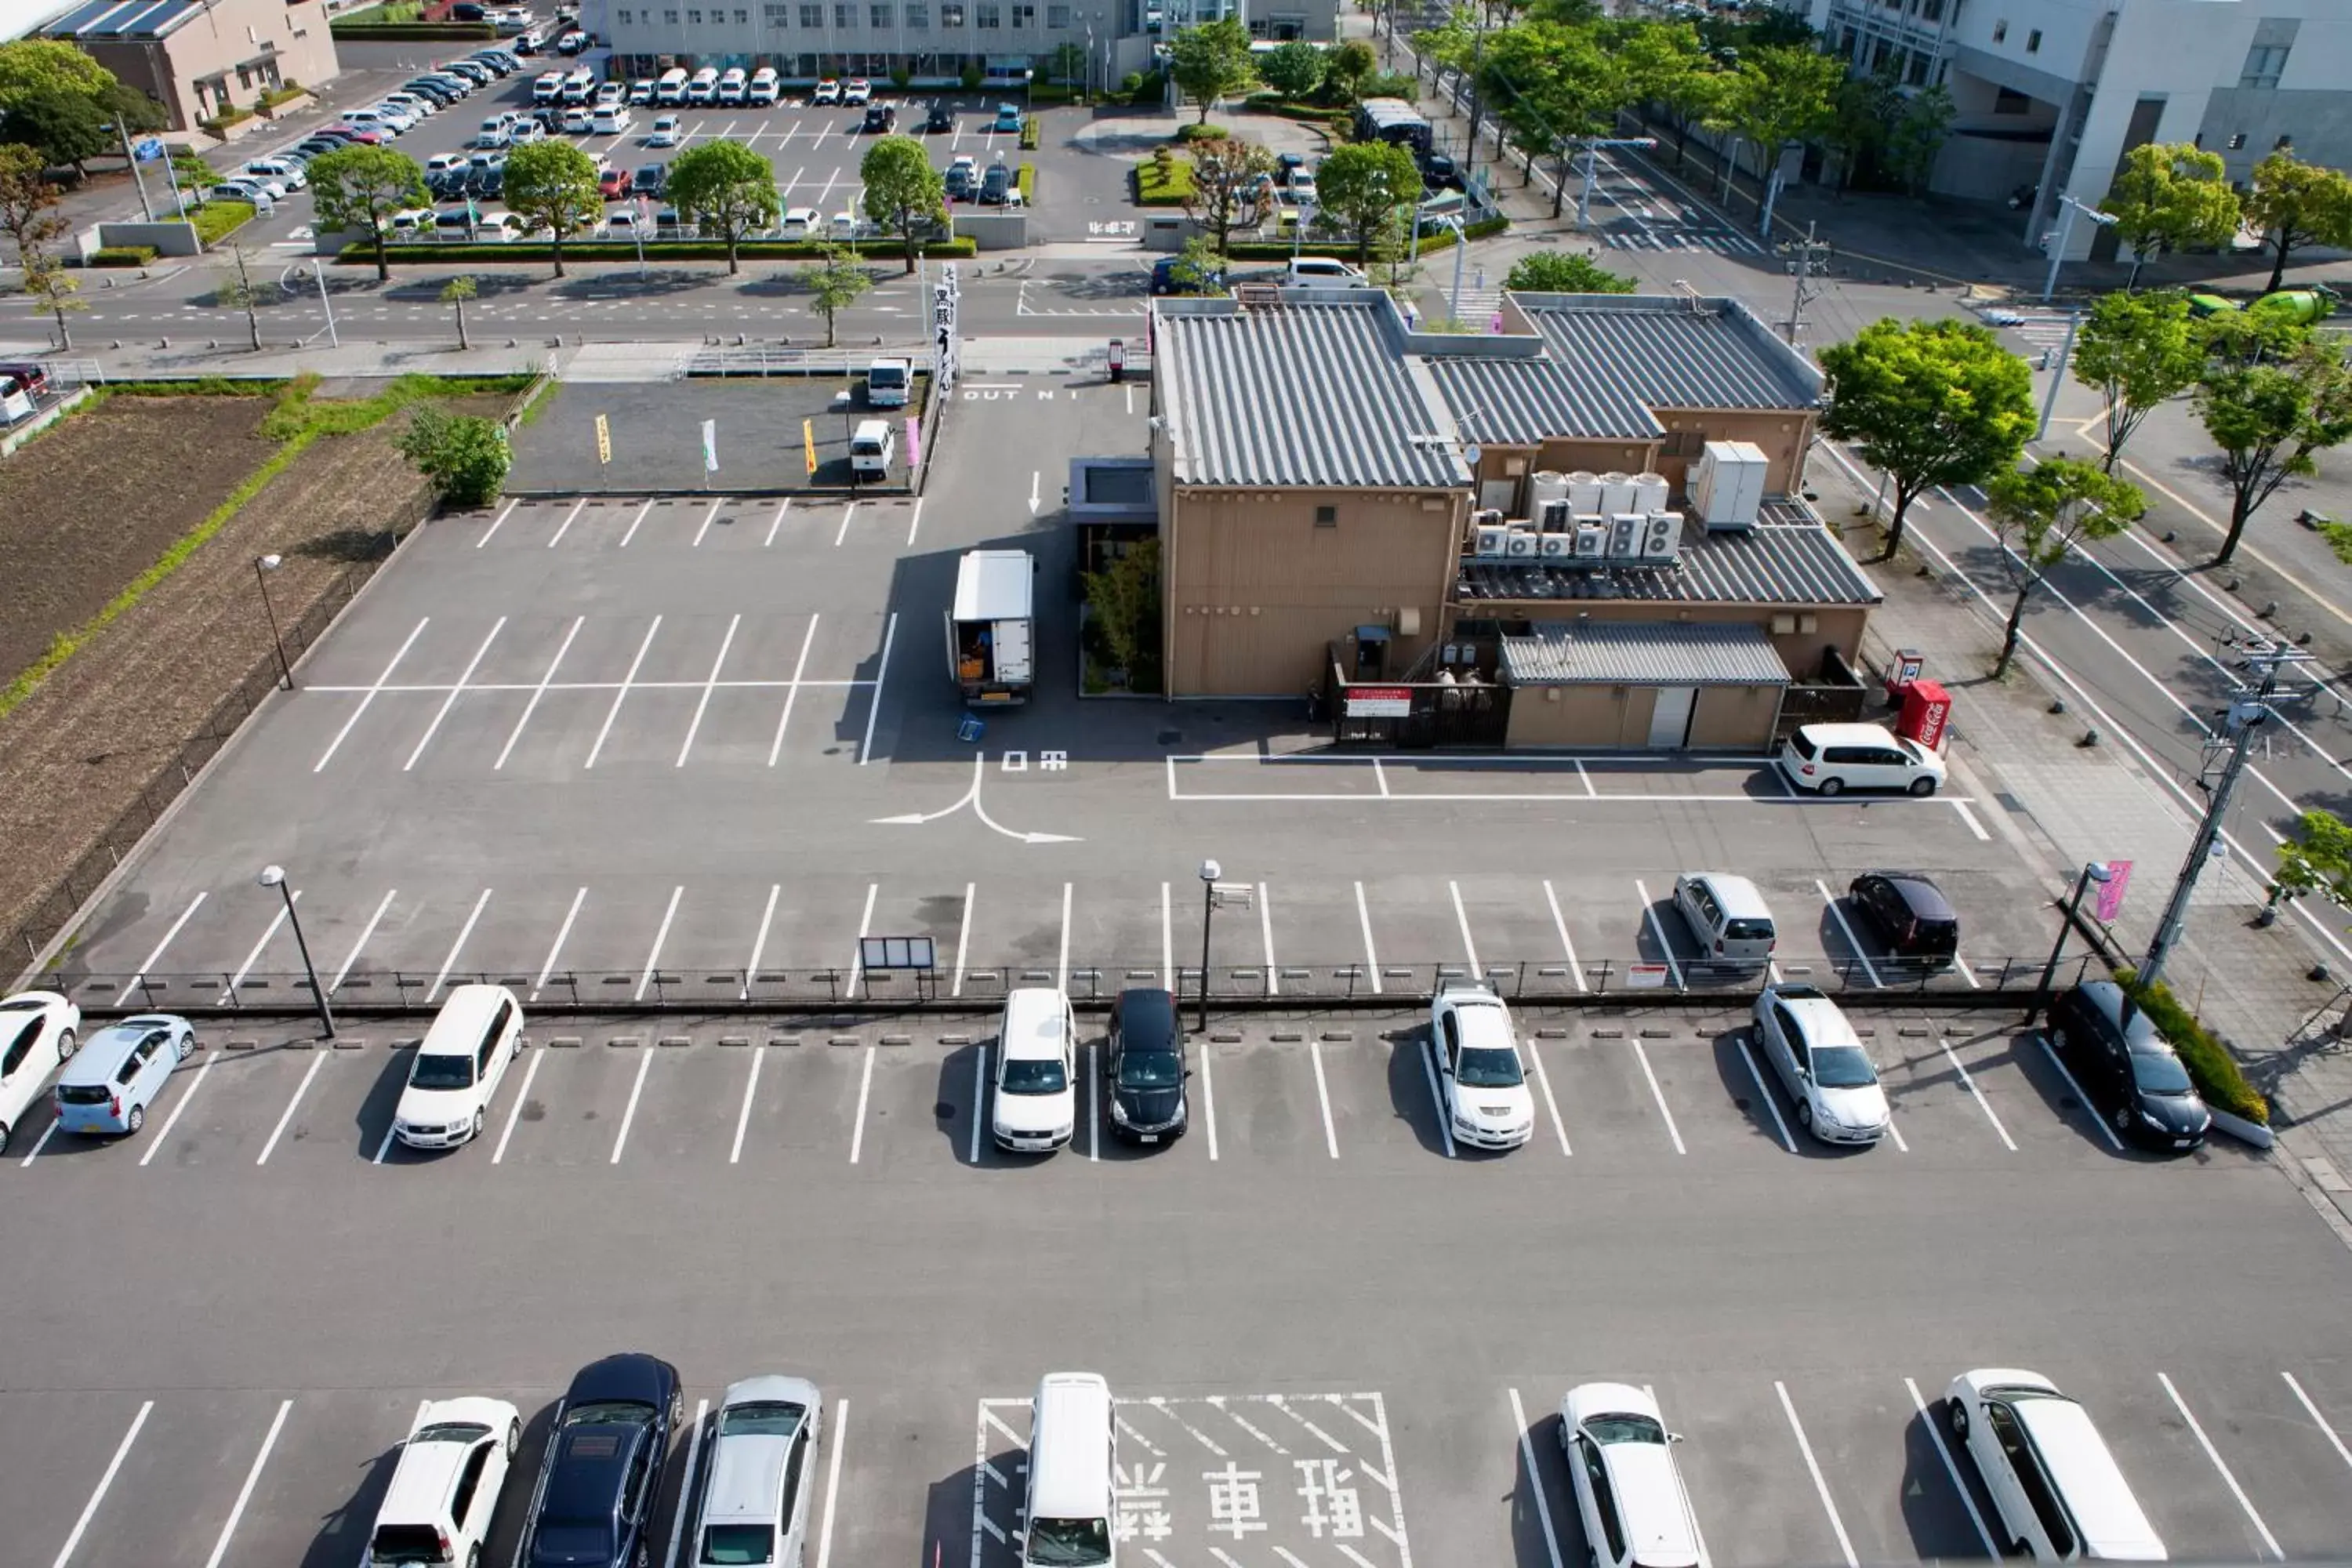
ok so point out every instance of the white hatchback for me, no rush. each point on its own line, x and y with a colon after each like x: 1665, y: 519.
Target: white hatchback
x: 445, y: 1487
x: 36, y: 1034
x: 457, y: 1067
x: 2059, y: 1492
x: 1620, y: 1465
x: 1036, y: 1100
x: 1821, y: 1063
x: 1482, y: 1084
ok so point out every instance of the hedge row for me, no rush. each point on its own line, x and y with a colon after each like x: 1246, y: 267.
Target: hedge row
x: 2210, y: 1067
x: 123, y: 255
x: 1344, y: 249
x: 393, y: 32
x: 1025, y: 179
x: 363, y: 252
x: 215, y: 221
x: 1293, y: 108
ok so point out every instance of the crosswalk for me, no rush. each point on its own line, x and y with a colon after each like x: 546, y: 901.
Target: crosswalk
x: 1723, y: 241
x: 2043, y: 327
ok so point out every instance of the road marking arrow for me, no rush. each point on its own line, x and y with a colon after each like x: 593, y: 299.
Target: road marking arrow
x: 1035, y: 477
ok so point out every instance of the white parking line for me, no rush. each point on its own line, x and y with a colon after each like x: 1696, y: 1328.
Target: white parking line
x: 1535, y: 1477
x: 914, y: 522
x: 760, y: 942
x: 456, y: 691
x: 1936, y: 1433
x: 1094, y: 1107
x: 497, y: 522
x: 1659, y: 1095
x: 369, y: 695
x: 556, y: 950
x: 1830, y: 902
x: 846, y: 513
x: 1543, y: 1082
x: 1575, y: 970
x: 1265, y: 934
x: 155, y: 956
x: 632, y: 533
x: 743, y: 1117
x: 708, y: 519
x: 1436, y: 1096
x: 779, y: 522
x: 864, y: 1089
x: 1764, y: 1093
x: 2213, y: 1454
x: 2320, y: 1421
x: 228, y: 994
x: 979, y: 1102
x: 366, y: 931
x: 457, y: 946
x: 514, y: 1111
x: 621, y: 1139
x: 42, y: 1142
x: 1982, y: 1104
x: 964, y: 940
x: 1323, y: 1093
x: 318, y: 1059
x: 1208, y: 1092
x: 565, y: 527
x: 1821, y: 1486
x: 1968, y: 817
x: 1462, y: 918
x: 536, y: 692
x: 98, y: 1495
x: 792, y: 692
x: 1363, y: 919
x: 693, y: 1451
x: 1167, y: 940
x: 840, y: 1424
x: 156, y: 1144
x: 1062, y: 964
x: 1658, y: 933
x: 622, y: 694
x: 244, y: 1493
x: 653, y: 956
x: 704, y: 702
x: 2081, y: 1099
x: 881, y: 674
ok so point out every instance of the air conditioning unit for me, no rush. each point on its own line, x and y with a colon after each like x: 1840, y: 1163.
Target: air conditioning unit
x: 1491, y: 539
x: 1488, y: 515
x: 1625, y: 535
x: 1591, y: 540
x: 1663, y: 537
x: 1557, y: 546
x: 1522, y: 543
x: 1555, y: 517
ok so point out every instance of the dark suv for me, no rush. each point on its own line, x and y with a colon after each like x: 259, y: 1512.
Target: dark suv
x: 941, y: 118
x: 1147, y: 1067
x: 603, y: 1473
x: 1911, y: 912
x: 881, y: 118
x: 2126, y: 1069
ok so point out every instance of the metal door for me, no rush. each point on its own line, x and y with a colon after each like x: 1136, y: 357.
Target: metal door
x: 1670, y: 721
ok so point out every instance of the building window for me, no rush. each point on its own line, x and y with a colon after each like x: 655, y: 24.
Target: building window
x: 2237, y: 142
x: 1057, y: 17
x: 622, y: 17
x: 812, y: 17
x: 952, y: 14
x: 844, y: 14
x: 2001, y: 30
x: 2006, y: 101
x: 918, y: 18
x: 2034, y: 42
x: 1024, y: 13
x: 1931, y: 10
x: 2264, y: 64
x: 1917, y: 75
x: 244, y: 75
x: 670, y: 18
x: 878, y: 15
x: 694, y: 18
x: 986, y: 17
x: 775, y: 14
x: 1327, y: 517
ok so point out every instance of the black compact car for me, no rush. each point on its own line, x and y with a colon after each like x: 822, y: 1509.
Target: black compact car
x: 1438, y: 172
x: 881, y: 118
x: 1910, y: 912
x: 960, y: 182
x: 941, y: 118
x: 594, y: 1506
x: 1147, y: 1067
x: 648, y: 180
x: 2125, y: 1068
x: 995, y: 186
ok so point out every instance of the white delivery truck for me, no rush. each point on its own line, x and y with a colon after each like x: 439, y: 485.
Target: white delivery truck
x: 992, y: 628
x: 886, y: 383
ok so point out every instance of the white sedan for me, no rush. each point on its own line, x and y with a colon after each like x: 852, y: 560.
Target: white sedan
x: 1482, y: 1084
x: 38, y: 1030
x: 1821, y: 1063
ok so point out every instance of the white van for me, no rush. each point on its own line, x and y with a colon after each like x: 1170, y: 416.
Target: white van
x: 2057, y: 1489
x: 613, y: 121
x: 1728, y: 917
x: 1828, y: 758
x: 457, y: 1067
x: 36, y: 1035
x: 704, y: 85
x: 502, y: 228
x: 671, y: 88
x: 731, y: 86
x: 765, y: 88
x: 887, y: 384
x: 578, y: 85
x: 871, y: 447
x: 1072, y: 1474
x: 801, y: 223
x: 547, y: 88
x: 455, y: 224
x: 1324, y: 272
x: 1035, y: 1107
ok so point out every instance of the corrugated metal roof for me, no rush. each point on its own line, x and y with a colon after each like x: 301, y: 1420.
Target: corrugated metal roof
x: 1642, y: 653
x: 1296, y: 395
x: 1520, y: 402
x: 124, y: 19
x: 1784, y: 561
x: 1671, y: 356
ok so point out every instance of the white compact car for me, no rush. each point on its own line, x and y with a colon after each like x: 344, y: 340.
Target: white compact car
x: 1036, y: 1101
x: 1831, y: 758
x: 444, y: 1488
x: 457, y: 1067
x: 1482, y: 1084
x: 1821, y: 1063
x: 2059, y: 1492
x: 38, y: 1030
x: 1620, y: 1465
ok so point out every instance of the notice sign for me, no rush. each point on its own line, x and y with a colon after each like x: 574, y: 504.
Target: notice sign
x: 2111, y: 890
x: 604, y: 439
x: 1379, y: 701
x: 1645, y: 976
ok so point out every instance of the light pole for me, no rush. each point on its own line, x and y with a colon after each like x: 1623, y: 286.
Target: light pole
x: 2058, y: 376
x: 131, y: 158
x: 2070, y: 207
x: 1210, y: 872
x: 262, y: 566
x: 275, y: 877
x: 2093, y: 871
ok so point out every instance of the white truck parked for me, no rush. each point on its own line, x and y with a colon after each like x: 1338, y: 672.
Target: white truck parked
x: 992, y: 628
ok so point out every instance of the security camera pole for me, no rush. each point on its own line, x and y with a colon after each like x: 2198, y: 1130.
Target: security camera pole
x: 275, y: 877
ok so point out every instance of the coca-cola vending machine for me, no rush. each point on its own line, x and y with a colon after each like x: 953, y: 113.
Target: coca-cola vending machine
x: 1927, y: 708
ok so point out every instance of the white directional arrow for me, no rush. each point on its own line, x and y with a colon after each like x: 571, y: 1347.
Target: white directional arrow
x: 972, y: 799
x: 1035, y: 477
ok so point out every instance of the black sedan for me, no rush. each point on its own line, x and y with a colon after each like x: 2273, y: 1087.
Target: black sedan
x: 2127, y: 1070
x: 1147, y: 1067
x: 603, y: 1473
x: 1910, y: 912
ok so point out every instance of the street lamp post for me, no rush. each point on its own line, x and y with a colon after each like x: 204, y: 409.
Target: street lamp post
x: 1210, y: 872
x: 2093, y: 871
x: 262, y: 566
x: 122, y: 128
x: 2070, y: 209
x: 275, y: 877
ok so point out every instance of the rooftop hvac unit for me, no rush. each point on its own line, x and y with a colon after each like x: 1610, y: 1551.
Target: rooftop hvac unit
x: 1487, y: 515
x: 1521, y: 543
x: 1663, y: 537
x: 1650, y: 492
x: 1591, y: 540
x: 1625, y: 535
x: 1492, y: 538
x: 1616, y: 492
x: 1554, y: 516
x: 1584, y: 490
x: 1543, y: 486
x: 1726, y: 484
x: 1557, y: 546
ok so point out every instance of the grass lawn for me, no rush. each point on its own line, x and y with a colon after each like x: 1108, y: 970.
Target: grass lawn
x: 1152, y: 190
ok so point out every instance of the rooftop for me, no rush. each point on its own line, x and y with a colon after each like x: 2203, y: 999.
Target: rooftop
x: 102, y: 19
x: 1788, y: 559
x: 1620, y: 653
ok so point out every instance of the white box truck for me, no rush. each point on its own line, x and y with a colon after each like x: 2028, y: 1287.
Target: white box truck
x: 992, y: 628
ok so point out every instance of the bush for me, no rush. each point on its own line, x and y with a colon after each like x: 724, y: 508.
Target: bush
x: 215, y: 221
x: 464, y: 454
x: 973, y: 76
x: 1163, y: 182
x: 1041, y: 94
x: 1336, y: 119
x: 1563, y: 272
x: 363, y: 252
x: 286, y: 94
x: 1030, y: 132
x: 1210, y: 132
x: 2210, y: 1067
x: 1390, y: 84
x: 1144, y: 90
x: 124, y: 256
x: 1025, y: 179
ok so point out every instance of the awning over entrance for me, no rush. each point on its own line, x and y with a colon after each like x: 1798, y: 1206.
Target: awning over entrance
x: 1642, y: 653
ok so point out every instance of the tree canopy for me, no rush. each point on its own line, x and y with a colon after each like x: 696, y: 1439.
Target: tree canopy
x: 2137, y: 351
x: 1361, y: 185
x: 2170, y: 195
x: 1211, y: 61
x: 903, y: 192
x: 2042, y: 513
x: 728, y: 190
x: 358, y: 189
x: 551, y: 184
x: 2269, y: 415
x: 2295, y: 204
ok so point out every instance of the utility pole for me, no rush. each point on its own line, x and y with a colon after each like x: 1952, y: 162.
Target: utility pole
x: 2058, y: 379
x: 1805, y: 253
x: 2245, y: 716
x: 1586, y: 166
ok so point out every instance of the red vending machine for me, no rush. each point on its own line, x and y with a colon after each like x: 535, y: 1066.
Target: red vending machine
x: 1926, y: 707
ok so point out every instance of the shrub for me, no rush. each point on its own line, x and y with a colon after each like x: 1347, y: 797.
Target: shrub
x: 1041, y: 94
x: 2210, y: 1067
x: 1163, y: 182
x: 1388, y: 84
x: 1202, y: 133
x: 1025, y: 179
x: 215, y: 221
x: 286, y: 94
x: 123, y: 255
x: 464, y: 454
x: 973, y: 76
x: 1563, y: 272
x: 1145, y: 89
x: 1030, y: 132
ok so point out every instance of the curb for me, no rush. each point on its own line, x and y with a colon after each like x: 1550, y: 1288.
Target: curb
x: 2251, y: 1134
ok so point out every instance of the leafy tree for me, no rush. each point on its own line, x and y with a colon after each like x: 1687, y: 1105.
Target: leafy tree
x: 835, y: 284
x: 464, y: 454
x: 1918, y: 135
x: 1863, y: 112
x: 456, y: 292
x: 2318, y: 860
x: 35, y: 65
x: 2135, y: 350
x: 1294, y: 70
x: 903, y: 190
x: 1065, y: 64
x: 357, y: 189
x: 1361, y: 185
x: 2169, y: 196
x: 728, y: 190
x: 2298, y: 203
x: 2042, y: 513
x: 1200, y: 267
x: 1927, y: 403
x: 1551, y: 83
x: 551, y: 184
x: 67, y: 129
x: 54, y: 288
x: 1665, y: 64
x: 1232, y: 189
x: 1125, y: 600
x: 1783, y: 95
x: 27, y: 203
x: 1563, y: 272
x: 2268, y: 417
x: 1346, y: 67
x: 1210, y: 61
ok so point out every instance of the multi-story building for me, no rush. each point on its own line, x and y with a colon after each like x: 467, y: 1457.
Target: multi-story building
x: 198, y: 58
x: 2052, y: 94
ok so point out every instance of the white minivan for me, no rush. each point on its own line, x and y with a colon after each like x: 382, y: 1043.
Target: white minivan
x: 871, y: 447
x: 703, y: 86
x: 2058, y: 1491
x: 1728, y: 917
x: 457, y: 1067
x: 36, y: 1034
x: 1035, y: 1105
x: 765, y: 88
x: 1072, y: 1474
x: 732, y: 84
x: 1829, y: 758
x: 613, y: 121
x: 671, y: 88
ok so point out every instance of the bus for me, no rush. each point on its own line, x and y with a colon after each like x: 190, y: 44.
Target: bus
x: 1393, y: 120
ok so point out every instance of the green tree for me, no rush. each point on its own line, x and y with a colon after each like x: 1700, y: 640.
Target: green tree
x: 728, y: 190
x: 1295, y: 69
x: 28, y: 204
x: 1200, y: 267
x: 1231, y: 188
x: 35, y: 65
x: 1551, y: 83
x: 2318, y: 860
x: 54, y: 288
x: 2169, y: 196
x: 1065, y: 64
x: 456, y: 292
x: 2268, y: 417
x: 2135, y: 350
x: 1784, y: 95
x: 551, y: 184
x: 464, y: 454
x: 1927, y: 404
x: 2042, y: 513
x: 1563, y: 272
x: 903, y: 190
x: 1211, y: 61
x: 1863, y: 115
x: 1360, y: 186
x: 1665, y: 64
x: 357, y: 189
x: 68, y: 129
x: 1347, y: 65
x: 1918, y: 136
x: 835, y: 284
x: 2295, y: 204
x: 1125, y: 601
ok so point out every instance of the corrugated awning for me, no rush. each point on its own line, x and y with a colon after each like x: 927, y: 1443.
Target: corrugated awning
x: 1642, y: 653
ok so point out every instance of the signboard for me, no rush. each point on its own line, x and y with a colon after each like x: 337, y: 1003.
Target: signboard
x: 914, y: 443
x: 1645, y: 976
x: 1379, y: 701
x: 2111, y: 890
x: 148, y: 148
x: 710, y: 446
x: 1232, y: 895
x: 808, y: 444
x: 896, y: 952
x: 604, y: 439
